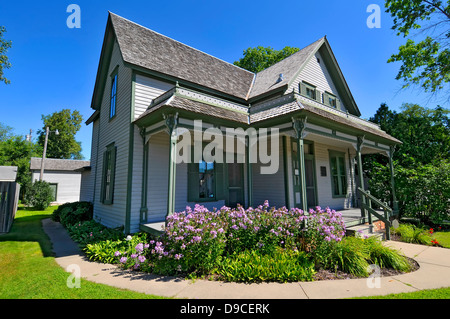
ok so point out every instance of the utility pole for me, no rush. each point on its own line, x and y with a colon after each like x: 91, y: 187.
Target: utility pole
x: 47, y: 131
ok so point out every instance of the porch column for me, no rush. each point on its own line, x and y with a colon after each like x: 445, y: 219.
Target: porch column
x: 144, y: 209
x: 299, y: 127
x: 360, y: 171
x: 391, y: 165
x: 171, y: 123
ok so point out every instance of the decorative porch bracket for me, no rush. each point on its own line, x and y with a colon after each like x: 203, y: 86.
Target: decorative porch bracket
x: 171, y: 121
x: 359, y: 146
x: 391, y: 166
x: 299, y: 125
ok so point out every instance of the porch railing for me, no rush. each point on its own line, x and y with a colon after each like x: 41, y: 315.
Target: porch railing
x: 366, y: 205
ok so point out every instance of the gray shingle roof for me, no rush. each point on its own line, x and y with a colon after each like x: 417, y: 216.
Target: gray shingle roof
x: 8, y: 173
x: 54, y: 164
x: 178, y: 102
x: 148, y: 49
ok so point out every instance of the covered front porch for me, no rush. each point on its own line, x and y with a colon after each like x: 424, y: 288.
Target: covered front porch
x: 318, y: 155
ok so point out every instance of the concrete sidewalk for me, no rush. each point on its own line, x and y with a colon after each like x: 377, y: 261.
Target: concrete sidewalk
x: 434, y: 272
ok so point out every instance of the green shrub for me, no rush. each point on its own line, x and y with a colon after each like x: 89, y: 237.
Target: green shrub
x: 422, y: 190
x: 104, y: 248
x: 73, y: 213
x: 410, y: 233
x: 283, y: 265
x: 38, y: 195
x: 87, y: 232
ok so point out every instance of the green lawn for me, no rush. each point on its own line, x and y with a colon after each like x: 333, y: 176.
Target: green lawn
x: 442, y: 293
x: 443, y: 238
x: 28, y: 271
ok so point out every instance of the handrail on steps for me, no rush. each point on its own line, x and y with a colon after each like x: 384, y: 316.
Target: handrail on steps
x: 367, y: 205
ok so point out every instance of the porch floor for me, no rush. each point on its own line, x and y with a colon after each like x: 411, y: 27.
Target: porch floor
x: 352, y: 217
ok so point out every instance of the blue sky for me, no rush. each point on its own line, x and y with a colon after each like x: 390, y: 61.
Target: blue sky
x: 54, y: 67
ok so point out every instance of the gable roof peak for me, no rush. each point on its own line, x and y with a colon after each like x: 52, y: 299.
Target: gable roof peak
x: 267, y: 79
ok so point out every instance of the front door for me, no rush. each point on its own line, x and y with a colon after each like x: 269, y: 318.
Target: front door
x: 309, y: 174
x: 235, y: 184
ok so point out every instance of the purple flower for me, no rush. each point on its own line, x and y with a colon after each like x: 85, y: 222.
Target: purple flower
x: 117, y: 253
x: 140, y: 247
x: 141, y: 259
x: 178, y: 256
x: 123, y: 260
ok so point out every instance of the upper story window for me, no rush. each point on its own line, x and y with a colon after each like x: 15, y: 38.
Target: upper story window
x: 331, y: 100
x: 310, y: 91
x: 113, y: 99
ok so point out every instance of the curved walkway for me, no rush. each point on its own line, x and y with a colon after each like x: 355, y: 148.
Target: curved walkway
x: 434, y: 272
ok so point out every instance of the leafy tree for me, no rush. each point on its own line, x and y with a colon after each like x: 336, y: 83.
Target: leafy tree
x: 4, y: 61
x: 5, y: 132
x: 425, y: 133
x: 425, y: 63
x: 15, y: 150
x: 422, y: 162
x: 260, y: 58
x: 64, y: 145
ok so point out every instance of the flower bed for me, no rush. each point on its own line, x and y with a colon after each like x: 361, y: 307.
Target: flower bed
x: 241, y: 245
x: 256, y: 244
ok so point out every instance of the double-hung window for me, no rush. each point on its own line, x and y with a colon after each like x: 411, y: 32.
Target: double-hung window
x: 113, y: 97
x: 331, y: 100
x: 109, y: 168
x: 206, y: 182
x: 310, y: 91
x: 338, y: 174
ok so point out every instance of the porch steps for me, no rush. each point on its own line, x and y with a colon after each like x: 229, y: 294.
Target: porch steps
x: 365, y: 230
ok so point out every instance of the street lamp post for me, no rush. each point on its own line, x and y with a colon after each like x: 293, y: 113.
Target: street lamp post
x: 47, y: 131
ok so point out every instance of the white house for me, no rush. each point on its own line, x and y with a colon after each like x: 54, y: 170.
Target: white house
x: 151, y: 89
x: 64, y: 176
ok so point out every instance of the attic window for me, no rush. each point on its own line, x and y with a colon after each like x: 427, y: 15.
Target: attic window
x: 310, y: 91
x: 332, y: 101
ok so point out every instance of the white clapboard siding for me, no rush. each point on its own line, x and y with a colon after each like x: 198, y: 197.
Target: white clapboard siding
x: 87, y: 187
x: 316, y: 74
x: 146, y: 89
x: 324, y: 188
x: 88, y: 177
x: 157, y: 188
x: 115, y: 131
x: 68, y: 184
x: 269, y: 187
